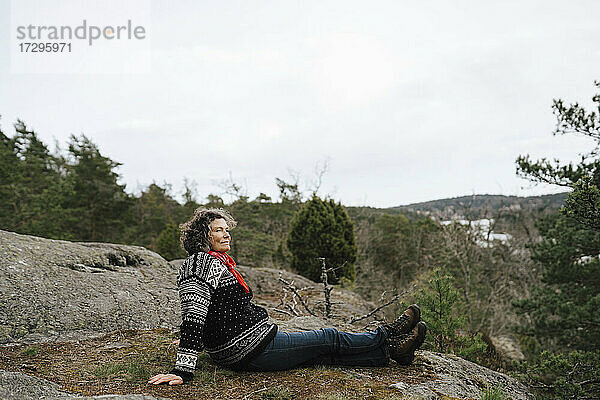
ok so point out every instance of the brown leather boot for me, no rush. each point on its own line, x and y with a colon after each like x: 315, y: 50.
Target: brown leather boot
x: 403, y: 347
x: 405, y: 322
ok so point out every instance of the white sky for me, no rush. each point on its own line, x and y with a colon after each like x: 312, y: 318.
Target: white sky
x: 409, y: 102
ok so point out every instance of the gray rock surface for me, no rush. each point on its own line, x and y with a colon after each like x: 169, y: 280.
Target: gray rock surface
x: 458, y: 378
x: 59, y: 290
x: 17, y: 386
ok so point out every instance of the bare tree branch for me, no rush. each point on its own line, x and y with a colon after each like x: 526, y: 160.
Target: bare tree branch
x: 320, y: 171
x: 283, y: 312
x: 290, y: 286
x: 326, y: 287
x: 395, y: 298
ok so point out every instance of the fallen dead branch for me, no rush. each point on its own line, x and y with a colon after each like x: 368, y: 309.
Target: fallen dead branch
x: 296, y: 294
x: 394, y: 299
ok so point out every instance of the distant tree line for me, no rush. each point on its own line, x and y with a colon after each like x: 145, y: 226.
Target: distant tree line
x: 75, y: 194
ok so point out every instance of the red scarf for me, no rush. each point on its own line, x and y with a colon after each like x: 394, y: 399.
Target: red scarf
x: 230, y: 263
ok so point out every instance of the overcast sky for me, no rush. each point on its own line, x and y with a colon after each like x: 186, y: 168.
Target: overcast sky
x: 408, y: 101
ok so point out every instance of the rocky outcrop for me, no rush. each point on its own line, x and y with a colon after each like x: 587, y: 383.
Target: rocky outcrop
x: 59, y: 290
x: 458, y: 378
x: 54, y: 289
x: 17, y: 386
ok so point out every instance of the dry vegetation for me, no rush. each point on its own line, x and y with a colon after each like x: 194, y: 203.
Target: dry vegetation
x: 121, y: 362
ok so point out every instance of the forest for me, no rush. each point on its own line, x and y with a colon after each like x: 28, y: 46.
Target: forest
x: 537, y: 283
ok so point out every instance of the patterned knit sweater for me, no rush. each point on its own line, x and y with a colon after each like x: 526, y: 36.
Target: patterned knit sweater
x: 217, y: 316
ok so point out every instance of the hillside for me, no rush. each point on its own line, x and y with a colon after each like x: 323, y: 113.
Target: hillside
x: 477, y: 206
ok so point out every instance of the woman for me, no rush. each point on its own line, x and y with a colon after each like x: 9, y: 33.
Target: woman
x: 219, y: 317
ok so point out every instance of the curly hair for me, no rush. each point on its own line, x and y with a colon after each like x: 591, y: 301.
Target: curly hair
x: 194, y: 232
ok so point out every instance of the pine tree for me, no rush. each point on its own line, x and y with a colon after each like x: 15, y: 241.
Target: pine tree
x: 10, y: 178
x: 99, y: 204
x: 583, y: 204
x: 153, y: 210
x: 439, y: 303
x: 168, y: 244
x: 322, y: 229
x: 563, y: 311
x: 35, y: 185
x: 443, y: 309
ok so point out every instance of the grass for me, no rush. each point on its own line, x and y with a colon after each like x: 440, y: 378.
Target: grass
x: 276, y: 393
x: 333, y: 396
x: 495, y: 393
x: 351, y: 396
x: 92, y: 367
x: 132, y: 371
x: 30, y: 351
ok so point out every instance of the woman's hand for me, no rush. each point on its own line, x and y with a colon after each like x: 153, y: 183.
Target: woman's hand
x: 166, y: 378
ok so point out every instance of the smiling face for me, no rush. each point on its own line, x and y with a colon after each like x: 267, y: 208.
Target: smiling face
x: 219, y: 236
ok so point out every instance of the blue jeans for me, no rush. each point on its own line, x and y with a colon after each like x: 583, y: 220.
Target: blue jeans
x: 326, y: 346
